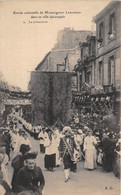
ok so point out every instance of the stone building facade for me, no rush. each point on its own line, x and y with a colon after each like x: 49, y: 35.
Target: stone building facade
x: 99, y: 65
x: 108, y: 52
x: 108, y: 29
x: 66, y: 46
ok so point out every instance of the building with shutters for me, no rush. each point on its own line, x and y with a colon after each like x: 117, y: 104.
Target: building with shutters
x: 99, y: 67
x: 108, y: 52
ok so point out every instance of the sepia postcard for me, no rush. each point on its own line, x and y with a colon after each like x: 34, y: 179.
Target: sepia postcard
x: 60, y: 66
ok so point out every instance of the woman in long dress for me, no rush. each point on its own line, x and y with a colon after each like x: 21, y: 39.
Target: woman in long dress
x: 90, y: 151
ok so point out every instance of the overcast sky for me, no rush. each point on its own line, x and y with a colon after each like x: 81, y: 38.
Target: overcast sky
x: 23, y: 45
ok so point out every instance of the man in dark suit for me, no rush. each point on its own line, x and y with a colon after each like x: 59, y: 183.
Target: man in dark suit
x: 18, y: 162
x: 30, y: 177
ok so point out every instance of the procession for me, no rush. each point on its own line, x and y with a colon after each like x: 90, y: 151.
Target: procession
x: 60, y: 98
x: 66, y: 147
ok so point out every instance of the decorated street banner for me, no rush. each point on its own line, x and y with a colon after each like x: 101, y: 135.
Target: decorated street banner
x: 51, y: 97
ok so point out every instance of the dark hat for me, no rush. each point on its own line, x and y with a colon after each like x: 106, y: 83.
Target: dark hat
x: 24, y: 148
x: 21, y: 132
x: 48, y: 130
x: 30, y: 155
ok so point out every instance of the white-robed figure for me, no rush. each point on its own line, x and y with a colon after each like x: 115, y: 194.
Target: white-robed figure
x: 22, y: 139
x: 50, y: 152
x: 14, y: 138
x: 90, y: 151
x: 56, y: 138
x: 42, y: 136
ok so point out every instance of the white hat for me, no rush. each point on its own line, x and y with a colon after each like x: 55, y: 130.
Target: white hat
x: 67, y: 128
x: 80, y: 131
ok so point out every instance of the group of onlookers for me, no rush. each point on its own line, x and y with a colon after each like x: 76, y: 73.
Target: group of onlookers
x: 107, y: 137
x: 94, y: 148
x: 27, y: 178
x: 69, y: 144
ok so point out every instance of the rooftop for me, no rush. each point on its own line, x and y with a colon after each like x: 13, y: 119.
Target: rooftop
x: 111, y: 5
x: 43, y: 60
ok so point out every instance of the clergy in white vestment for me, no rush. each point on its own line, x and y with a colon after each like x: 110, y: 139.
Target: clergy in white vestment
x: 90, y: 151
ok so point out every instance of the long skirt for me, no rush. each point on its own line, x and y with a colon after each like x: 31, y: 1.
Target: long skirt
x: 42, y: 148
x: 50, y: 161
x: 14, y: 179
x: 90, y: 159
x: 108, y: 159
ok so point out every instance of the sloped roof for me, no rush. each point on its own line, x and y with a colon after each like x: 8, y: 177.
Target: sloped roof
x: 68, y: 41
x: 43, y: 60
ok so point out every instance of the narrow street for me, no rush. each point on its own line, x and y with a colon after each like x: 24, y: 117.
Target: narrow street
x: 60, y: 72
x: 82, y: 182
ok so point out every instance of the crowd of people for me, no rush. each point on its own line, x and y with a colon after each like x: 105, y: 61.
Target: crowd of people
x: 78, y: 141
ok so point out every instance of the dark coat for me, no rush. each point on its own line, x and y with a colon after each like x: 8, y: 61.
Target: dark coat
x: 29, y: 179
x: 64, y: 149
x: 17, y: 164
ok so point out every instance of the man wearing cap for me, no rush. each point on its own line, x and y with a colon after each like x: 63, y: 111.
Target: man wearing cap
x: 30, y: 177
x: 66, y: 148
x: 18, y: 162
